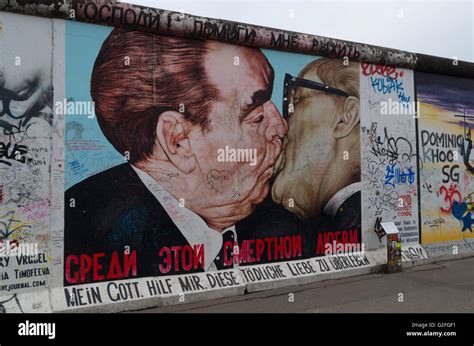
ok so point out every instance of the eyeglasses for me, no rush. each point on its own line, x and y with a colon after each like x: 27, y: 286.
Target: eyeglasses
x: 291, y: 82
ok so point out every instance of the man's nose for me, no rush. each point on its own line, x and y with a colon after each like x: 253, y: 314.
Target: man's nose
x: 277, y: 126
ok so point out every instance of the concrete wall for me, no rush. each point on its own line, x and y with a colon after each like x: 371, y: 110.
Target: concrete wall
x: 143, y: 169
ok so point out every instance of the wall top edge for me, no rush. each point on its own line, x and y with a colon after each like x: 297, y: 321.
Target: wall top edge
x: 154, y: 20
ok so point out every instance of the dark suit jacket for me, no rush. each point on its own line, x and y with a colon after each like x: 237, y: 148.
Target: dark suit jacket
x: 114, y: 209
x: 270, y: 219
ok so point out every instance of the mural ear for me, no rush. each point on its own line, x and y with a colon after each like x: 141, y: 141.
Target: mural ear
x: 172, y: 137
x: 348, y: 118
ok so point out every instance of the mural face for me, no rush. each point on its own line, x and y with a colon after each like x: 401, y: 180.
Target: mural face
x: 323, y: 127
x: 445, y: 146
x: 197, y: 129
x: 318, y: 172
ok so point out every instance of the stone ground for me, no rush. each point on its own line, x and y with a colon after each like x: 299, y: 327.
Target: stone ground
x: 437, y: 287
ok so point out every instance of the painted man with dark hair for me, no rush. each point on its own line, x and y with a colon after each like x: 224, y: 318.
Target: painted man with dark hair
x: 171, y: 105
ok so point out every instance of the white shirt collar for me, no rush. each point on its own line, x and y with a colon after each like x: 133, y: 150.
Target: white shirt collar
x: 340, y: 197
x: 191, y: 225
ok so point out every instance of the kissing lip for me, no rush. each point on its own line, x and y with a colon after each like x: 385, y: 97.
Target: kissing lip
x: 280, y: 160
x: 274, y: 160
x: 280, y: 163
x: 270, y: 169
x: 267, y: 172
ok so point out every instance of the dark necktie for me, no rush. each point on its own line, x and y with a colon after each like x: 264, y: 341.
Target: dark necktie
x: 219, y: 260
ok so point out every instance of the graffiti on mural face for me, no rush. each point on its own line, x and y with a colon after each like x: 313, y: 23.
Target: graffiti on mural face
x: 14, y: 152
x: 382, y: 70
x: 392, y: 166
x: 396, y: 175
x: 448, y: 195
x: 411, y: 253
x: 440, y: 147
x: 378, y: 229
x: 462, y: 210
x: 384, y: 199
x: 11, y: 227
x: 389, y: 147
x: 384, y: 80
x: 4, y: 303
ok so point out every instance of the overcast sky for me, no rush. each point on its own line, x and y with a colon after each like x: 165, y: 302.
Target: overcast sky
x: 442, y: 28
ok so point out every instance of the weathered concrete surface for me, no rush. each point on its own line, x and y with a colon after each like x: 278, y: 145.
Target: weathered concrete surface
x: 436, y: 287
x: 450, y: 250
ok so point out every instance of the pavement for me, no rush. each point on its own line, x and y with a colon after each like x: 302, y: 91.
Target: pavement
x: 446, y: 286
